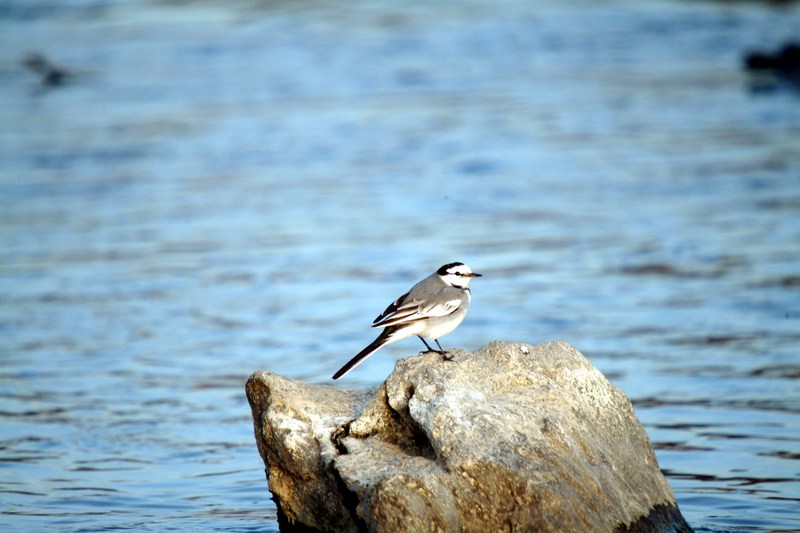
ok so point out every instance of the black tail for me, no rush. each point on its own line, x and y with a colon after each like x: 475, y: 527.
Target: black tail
x: 363, y: 354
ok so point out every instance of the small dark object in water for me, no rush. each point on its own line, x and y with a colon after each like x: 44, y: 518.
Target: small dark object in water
x: 786, y: 59
x: 50, y: 75
x: 781, y: 67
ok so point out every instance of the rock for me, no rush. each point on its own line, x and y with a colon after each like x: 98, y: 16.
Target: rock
x: 772, y: 69
x: 512, y: 437
x: 787, y: 59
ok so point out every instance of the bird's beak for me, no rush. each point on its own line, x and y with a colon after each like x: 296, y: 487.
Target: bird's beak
x: 475, y: 275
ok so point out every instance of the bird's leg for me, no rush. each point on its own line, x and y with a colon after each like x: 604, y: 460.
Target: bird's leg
x: 446, y: 356
x: 425, y: 343
x: 429, y: 348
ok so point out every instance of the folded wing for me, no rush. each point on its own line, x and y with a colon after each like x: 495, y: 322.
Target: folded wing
x: 404, y: 312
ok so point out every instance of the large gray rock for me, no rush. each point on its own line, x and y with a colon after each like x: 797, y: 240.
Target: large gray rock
x: 512, y: 437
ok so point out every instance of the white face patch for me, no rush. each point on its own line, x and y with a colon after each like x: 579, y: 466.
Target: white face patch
x: 458, y: 276
x: 459, y: 270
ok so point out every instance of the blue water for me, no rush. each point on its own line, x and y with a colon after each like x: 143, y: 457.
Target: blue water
x: 216, y: 189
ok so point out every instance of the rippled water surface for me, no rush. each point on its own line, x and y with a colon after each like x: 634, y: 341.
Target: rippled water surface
x: 209, y: 190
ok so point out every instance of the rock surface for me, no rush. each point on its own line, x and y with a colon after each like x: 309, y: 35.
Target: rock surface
x: 512, y: 437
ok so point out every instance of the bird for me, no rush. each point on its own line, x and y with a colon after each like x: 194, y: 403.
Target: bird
x: 430, y: 309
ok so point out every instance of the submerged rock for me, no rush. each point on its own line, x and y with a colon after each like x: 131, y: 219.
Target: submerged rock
x: 512, y: 437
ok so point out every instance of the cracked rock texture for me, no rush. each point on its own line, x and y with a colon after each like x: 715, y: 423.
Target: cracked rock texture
x: 512, y: 437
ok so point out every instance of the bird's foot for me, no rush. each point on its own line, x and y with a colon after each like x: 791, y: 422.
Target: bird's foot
x: 447, y: 356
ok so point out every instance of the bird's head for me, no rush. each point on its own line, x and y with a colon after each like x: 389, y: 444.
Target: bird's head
x: 457, y: 274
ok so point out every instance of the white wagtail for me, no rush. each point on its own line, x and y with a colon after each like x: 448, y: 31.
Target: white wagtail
x: 432, y: 308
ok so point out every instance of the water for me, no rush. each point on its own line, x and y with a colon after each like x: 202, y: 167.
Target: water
x: 219, y: 189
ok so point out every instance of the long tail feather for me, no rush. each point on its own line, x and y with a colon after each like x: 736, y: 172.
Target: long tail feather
x: 373, y: 347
